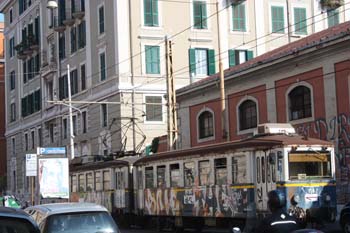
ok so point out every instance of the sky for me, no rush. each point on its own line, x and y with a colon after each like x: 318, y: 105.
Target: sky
x: 1, y: 18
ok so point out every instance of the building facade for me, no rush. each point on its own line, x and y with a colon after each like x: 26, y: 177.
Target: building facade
x: 116, y: 55
x: 305, y: 83
x: 2, y: 117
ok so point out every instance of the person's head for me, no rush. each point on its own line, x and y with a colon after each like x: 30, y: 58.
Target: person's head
x: 276, y: 200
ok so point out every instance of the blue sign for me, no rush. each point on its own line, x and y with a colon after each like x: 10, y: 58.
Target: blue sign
x: 52, y: 150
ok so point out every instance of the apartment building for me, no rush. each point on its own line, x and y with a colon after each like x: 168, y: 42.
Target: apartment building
x: 116, y: 55
x: 2, y: 109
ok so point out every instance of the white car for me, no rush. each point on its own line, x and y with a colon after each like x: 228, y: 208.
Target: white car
x: 72, y: 217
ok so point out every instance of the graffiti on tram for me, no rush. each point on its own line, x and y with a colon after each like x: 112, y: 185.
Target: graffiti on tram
x: 204, y: 201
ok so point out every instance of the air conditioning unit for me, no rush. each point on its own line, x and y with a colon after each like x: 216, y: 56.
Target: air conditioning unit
x: 275, y: 128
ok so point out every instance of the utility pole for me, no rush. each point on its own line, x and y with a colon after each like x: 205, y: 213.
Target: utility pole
x: 222, y: 81
x: 171, y: 96
x: 288, y: 26
x: 71, y: 134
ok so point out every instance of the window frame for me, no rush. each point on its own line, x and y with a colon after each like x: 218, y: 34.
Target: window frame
x: 149, y: 177
x: 208, y: 137
x: 101, y: 25
x: 147, y: 121
x: 300, y: 27
x: 248, y: 120
x: 221, y: 168
x: 239, y: 18
x: 200, y: 169
x: 204, y: 19
x: 104, y: 115
x: 175, y: 180
x: 288, y: 103
x: 276, y: 21
x: 333, y: 17
x: 102, y: 71
x: 153, y: 23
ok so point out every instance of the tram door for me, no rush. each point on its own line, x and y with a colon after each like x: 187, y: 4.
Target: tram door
x: 264, y: 179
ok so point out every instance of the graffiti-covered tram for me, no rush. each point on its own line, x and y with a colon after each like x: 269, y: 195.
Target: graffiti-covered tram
x: 219, y: 184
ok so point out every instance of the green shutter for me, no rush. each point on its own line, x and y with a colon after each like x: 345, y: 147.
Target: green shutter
x: 300, y: 21
x: 150, y: 10
x: 211, y: 61
x: 250, y: 55
x: 277, y: 18
x: 192, y: 60
x: 155, y: 12
x: 333, y: 17
x: 231, y: 57
x: 200, y: 14
x: 155, y: 60
x: 238, y: 17
x: 148, y: 51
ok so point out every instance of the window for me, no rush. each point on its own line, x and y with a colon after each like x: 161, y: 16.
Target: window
x: 51, y: 133
x: 26, y: 141
x: 202, y: 61
x: 234, y: 171
x: 119, y: 177
x: 174, y: 175
x: 39, y: 137
x: 238, y: 17
x: 149, y: 177
x: 25, y: 74
x: 74, y: 183
x: 101, y: 20
x: 106, y: 180
x: 154, y: 108
x: 13, y: 112
x: 247, y: 115
x: 300, y: 21
x: 152, y: 60
x: 104, y: 115
x: 74, y: 125
x: 11, y: 15
x: 263, y: 169
x: 62, y: 46
x: 333, y: 17
x: 89, y: 182
x: 220, y: 171
x: 277, y: 18
x: 63, y: 87
x: 206, y: 125
x: 98, y: 182
x: 161, y: 177
x: 83, y: 119
x: 74, y: 82
x: 82, y: 34
x: 64, y: 126
x: 299, y: 103
x: 83, y: 77
x: 200, y: 14
x: 13, y: 146
x: 139, y: 180
x: 31, y: 103
x: 204, y: 173
x: 73, y: 40
x: 103, y: 66
x: 33, y: 139
x: 12, y: 80
x: 237, y: 57
x: 150, y: 8
x: 189, y: 174
x: 258, y: 175
x: 12, y: 47
x: 81, y: 183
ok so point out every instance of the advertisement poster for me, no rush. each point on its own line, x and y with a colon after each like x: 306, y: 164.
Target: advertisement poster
x: 54, y: 178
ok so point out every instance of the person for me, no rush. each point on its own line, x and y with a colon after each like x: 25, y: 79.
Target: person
x: 279, y: 221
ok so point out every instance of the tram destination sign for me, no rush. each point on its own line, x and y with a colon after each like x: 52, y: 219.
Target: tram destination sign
x: 51, y: 150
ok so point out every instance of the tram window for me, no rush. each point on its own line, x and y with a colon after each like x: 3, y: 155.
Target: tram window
x: 98, y: 182
x: 89, y: 182
x: 81, y: 183
x: 309, y: 165
x: 234, y: 170
x: 263, y: 169
x: 119, y: 177
x: 174, y: 175
x: 139, y: 178
x: 149, y: 177
x: 272, y: 163
x: 258, y: 170
x: 161, y: 176
x: 74, y: 183
x: 204, y: 172
x: 189, y: 174
x: 268, y: 171
x: 106, y: 180
x: 220, y: 171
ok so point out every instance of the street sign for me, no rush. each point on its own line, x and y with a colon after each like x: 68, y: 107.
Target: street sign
x: 51, y: 150
x: 31, y: 165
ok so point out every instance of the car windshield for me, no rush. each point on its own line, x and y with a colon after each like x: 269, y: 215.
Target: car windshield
x: 309, y: 165
x: 11, y: 225
x: 91, y: 222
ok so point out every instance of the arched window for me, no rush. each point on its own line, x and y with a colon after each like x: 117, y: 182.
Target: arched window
x: 247, y: 115
x: 205, y: 125
x: 299, y: 103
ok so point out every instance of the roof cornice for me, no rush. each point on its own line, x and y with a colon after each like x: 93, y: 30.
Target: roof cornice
x: 4, y: 4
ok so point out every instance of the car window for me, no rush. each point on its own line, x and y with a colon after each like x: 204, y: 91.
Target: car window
x: 15, y: 225
x: 87, y: 222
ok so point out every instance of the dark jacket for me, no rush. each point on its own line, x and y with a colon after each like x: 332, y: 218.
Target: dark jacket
x: 278, y: 222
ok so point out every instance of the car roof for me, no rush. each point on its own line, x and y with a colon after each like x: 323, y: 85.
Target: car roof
x: 15, y: 213
x: 69, y: 207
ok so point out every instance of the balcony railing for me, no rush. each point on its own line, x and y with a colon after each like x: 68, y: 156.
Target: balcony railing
x: 33, y: 42
x: 331, y: 4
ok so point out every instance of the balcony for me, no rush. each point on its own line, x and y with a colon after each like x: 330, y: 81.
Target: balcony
x: 331, y: 4
x: 20, y: 51
x: 69, y: 20
x: 33, y: 42
x: 78, y: 11
x: 58, y: 25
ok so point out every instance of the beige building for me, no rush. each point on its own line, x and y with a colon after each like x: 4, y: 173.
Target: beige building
x: 116, y: 53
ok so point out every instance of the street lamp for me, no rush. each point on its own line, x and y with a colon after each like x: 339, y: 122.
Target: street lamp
x: 52, y: 5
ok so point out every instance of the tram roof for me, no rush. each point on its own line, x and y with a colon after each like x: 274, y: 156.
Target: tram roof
x: 257, y: 142
x: 120, y: 162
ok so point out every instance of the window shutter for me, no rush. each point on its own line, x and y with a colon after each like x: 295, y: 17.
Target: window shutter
x: 197, y: 16
x: 192, y: 57
x: 204, y: 14
x: 60, y: 88
x: 231, y: 57
x: 155, y: 12
x: 20, y: 6
x: 24, y: 71
x: 23, y: 107
x: 211, y: 61
x: 37, y: 29
x: 148, y: 50
x: 156, y: 61
x: 250, y: 55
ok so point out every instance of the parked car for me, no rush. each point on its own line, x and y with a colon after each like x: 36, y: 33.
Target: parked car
x: 73, y: 217
x: 344, y: 219
x: 16, y: 220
